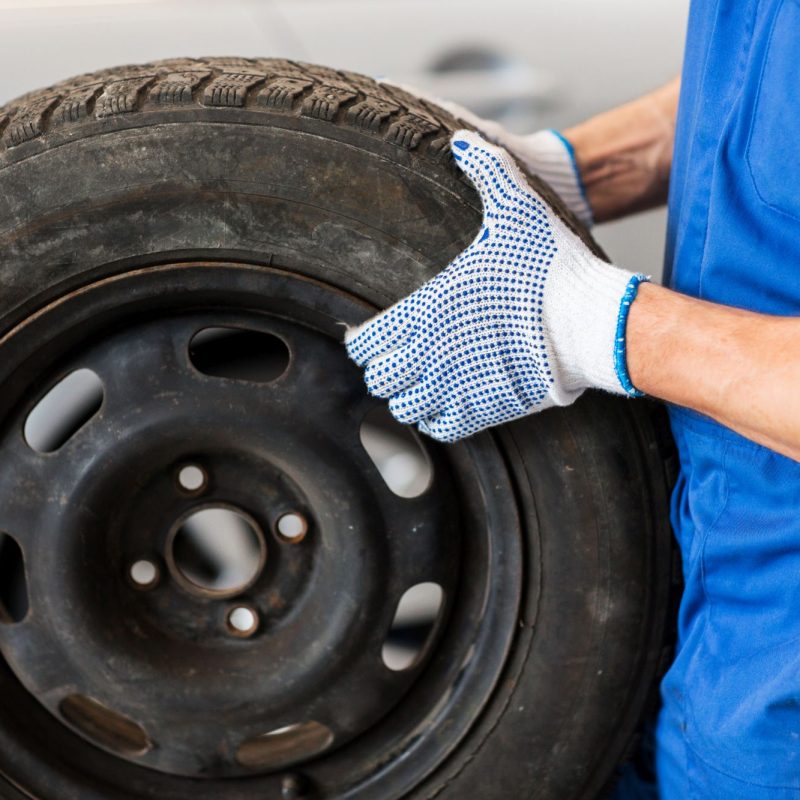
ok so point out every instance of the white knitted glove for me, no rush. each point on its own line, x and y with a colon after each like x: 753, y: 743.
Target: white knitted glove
x: 524, y: 319
x: 546, y: 153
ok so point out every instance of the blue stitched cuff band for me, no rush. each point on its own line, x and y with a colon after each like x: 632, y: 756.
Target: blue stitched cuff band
x: 620, y: 344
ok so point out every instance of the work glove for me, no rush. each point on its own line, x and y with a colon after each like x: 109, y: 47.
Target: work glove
x: 524, y: 319
x: 546, y: 153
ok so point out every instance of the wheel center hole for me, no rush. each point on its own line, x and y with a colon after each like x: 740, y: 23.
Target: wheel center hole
x: 217, y: 550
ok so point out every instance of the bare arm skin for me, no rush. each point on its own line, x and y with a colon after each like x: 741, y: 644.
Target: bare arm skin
x: 624, y: 156
x: 740, y: 368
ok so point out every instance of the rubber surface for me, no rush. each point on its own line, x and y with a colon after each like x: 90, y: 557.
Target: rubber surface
x: 333, y: 176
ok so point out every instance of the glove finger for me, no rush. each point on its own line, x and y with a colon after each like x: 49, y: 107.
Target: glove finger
x: 415, y: 403
x: 380, y: 334
x: 491, y: 169
x: 448, y: 426
x: 392, y: 372
x: 453, y: 424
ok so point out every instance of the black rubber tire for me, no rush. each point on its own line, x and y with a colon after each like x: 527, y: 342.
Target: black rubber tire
x: 333, y: 176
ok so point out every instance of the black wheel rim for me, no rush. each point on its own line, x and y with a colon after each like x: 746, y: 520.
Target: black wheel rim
x: 163, y: 656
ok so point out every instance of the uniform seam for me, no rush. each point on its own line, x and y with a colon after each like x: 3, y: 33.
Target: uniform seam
x: 736, y: 778
x: 712, y: 527
x: 743, y: 55
x: 695, y: 115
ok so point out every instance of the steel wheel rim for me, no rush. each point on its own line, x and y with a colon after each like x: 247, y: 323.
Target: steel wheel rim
x: 355, y: 768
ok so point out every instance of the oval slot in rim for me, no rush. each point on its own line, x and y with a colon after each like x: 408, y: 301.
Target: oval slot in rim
x: 414, y: 622
x: 239, y: 354
x: 64, y: 410
x: 397, y: 454
x: 286, y: 746
x: 105, y: 727
x: 13, y: 583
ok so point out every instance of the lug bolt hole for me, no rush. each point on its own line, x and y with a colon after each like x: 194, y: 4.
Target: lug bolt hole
x: 242, y: 621
x: 292, y: 527
x: 144, y: 574
x: 192, y: 478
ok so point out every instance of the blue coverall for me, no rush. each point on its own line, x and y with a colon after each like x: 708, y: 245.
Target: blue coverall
x: 730, y: 724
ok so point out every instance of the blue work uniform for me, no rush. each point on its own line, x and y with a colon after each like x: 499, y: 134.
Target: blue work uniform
x: 730, y: 725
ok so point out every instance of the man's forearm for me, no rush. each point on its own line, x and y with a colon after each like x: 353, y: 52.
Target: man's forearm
x: 739, y: 367
x: 624, y: 155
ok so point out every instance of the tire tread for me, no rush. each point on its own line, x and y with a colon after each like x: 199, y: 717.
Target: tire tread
x: 274, y: 85
x: 117, y: 96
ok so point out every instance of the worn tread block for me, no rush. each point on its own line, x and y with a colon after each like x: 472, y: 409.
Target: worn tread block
x: 181, y: 65
x: 30, y: 120
x: 410, y: 101
x: 410, y: 129
x: 371, y: 113
x: 365, y: 84
x: 233, y: 64
x: 317, y: 72
x: 5, y: 118
x: 325, y: 101
x: 283, y: 92
x: 441, y: 147
x: 280, y: 68
x: 122, y: 96
x: 77, y: 104
x: 231, y: 89
x: 177, y: 88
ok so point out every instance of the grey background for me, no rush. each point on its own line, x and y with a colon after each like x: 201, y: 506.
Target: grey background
x: 530, y: 63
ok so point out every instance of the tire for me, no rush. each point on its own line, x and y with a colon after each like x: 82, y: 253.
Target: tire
x: 241, y: 171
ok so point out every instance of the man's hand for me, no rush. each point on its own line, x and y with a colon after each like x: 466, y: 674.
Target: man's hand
x: 545, y: 153
x: 526, y: 318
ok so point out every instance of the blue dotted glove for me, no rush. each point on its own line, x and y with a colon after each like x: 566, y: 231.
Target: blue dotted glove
x: 524, y: 319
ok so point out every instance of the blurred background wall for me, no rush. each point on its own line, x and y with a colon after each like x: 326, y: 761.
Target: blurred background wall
x: 528, y: 63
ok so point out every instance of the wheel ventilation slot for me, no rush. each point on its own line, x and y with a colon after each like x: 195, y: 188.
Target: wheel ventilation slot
x: 63, y: 411
x: 414, y: 623
x: 397, y: 454
x: 105, y: 727
x: 13, y: 584
x: 217, y: 550
x: 238, y: 354
x: 285, y: 746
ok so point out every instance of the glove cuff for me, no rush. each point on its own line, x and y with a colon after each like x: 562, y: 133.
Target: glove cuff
x: 550, y: 155
x: 588, y: 315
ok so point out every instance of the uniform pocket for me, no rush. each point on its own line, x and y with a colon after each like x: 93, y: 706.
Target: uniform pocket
x: 742, y: 682
x: 773, y: 148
